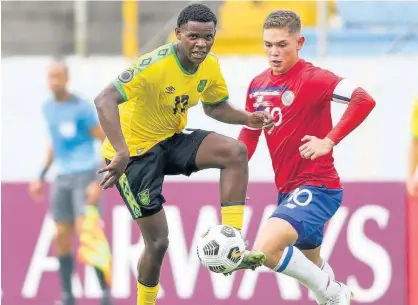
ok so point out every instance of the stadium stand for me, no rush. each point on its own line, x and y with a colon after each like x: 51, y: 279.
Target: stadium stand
x: 240, y: 23
x: 382, y: 14
x: 366, y: 27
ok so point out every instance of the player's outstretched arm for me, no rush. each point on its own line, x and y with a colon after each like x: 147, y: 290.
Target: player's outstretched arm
x: 107, y: 108
x: 226, y: 113
x: 360, y: 104
x: 48, y: 161
x: 250, y: 138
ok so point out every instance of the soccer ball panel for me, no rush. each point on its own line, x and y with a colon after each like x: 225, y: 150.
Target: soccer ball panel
x: 228, y: 231
x: 211, y: 248
x: 221, y: 248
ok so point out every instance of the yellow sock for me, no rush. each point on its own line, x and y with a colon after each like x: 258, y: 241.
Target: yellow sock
x: 232, y: 215
x: 147, y: 295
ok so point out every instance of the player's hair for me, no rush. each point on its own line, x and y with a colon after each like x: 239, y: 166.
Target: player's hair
x: 196, y: 12
x: 60, y: 61
x: 282, y: 19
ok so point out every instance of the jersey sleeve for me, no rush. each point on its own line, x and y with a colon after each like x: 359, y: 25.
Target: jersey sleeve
x: 249, y: 136
x: 414, y: 122
x: 249, y: 104
x: 253, y: 104
x: 131, y: 82
x: 323, y: 84
x: 217, y: 92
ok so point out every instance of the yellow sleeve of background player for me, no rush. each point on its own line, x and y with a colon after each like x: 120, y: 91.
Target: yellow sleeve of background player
x: 414, y: 125
x: 217, y: 92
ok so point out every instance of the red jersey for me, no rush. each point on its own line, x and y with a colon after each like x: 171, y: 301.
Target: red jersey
x: 299, y: 101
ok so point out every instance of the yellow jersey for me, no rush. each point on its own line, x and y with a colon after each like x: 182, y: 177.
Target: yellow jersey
x: 158, y: 93
x: 414, y: 122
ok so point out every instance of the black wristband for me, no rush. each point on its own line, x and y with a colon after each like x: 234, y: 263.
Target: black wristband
x: 43, y: 173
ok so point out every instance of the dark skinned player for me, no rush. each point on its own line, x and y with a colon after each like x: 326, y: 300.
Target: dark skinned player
x: 143, y: 113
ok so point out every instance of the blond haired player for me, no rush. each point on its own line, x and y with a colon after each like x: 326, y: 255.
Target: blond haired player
x: 301, y: 149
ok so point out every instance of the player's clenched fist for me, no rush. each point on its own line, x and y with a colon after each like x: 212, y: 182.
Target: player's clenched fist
x: 261, y: 119
x: 315, y: 147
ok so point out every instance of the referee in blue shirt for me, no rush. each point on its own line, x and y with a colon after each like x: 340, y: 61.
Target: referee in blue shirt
x: 73, y: 129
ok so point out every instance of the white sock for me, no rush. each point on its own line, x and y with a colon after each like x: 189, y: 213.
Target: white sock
x: 327, y: 269
x: 293, y: 263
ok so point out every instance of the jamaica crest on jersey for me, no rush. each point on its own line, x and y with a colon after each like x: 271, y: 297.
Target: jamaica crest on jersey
x: 201, y: 86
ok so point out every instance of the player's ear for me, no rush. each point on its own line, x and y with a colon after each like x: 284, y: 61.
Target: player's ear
x: 177, y: 31
x: 301, y: 41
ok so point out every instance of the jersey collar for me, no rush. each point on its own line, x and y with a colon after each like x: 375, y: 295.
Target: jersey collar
x: 179, y: 64
x: 292, y: 71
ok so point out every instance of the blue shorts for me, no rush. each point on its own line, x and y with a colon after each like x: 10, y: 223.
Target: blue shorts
x: 307, y: 209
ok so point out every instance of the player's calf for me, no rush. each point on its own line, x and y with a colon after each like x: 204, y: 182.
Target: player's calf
x: 230, y: 156
x: 276, y: 240
x: 157, y: 249
x: 314, y: 255
x: 326, y: 267
x: 154, y: 230
x: 149, y: 269
x: 234, y: 180
x: 66, y: 260
x: 151, y: 260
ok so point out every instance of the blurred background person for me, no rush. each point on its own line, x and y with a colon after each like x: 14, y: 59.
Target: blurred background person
x: 73, y: 128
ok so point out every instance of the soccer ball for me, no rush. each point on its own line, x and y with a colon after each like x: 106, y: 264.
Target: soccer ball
x: 221, y: 248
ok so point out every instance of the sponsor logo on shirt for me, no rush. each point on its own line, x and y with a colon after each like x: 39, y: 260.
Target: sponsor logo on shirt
x: 170, y: 90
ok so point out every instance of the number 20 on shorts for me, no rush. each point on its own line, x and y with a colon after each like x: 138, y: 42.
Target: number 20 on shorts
x: 294, y: 198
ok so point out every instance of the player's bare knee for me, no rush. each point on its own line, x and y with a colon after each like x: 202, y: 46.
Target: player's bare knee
x: 275, y: 236
x: 238, y: 154
x: 270, y: 248
x: 64, y: 230
x: 158, y: 247
x: 79, y: 224
x: 63, y: 241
